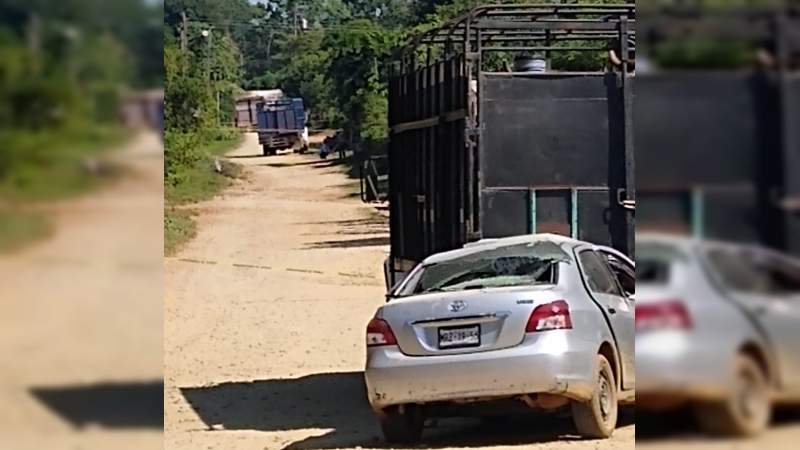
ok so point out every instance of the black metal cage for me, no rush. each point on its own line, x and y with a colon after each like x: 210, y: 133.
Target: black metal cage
x: 719, y: 150
x: 477, y: 151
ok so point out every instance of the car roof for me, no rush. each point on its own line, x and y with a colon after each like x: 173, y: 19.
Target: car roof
x: 688, y: 244
x: 478, y: 246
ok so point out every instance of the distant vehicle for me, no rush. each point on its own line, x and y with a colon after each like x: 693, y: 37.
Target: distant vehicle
x: 506, y: 325
x: 246, y: 107
x: 279, y: 121
x: 717, y: 327
x: 282, y: 125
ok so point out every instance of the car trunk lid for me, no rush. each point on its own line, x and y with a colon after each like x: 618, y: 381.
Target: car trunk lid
x: 464, y: 321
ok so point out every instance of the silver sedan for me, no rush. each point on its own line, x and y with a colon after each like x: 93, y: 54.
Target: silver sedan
x: 718, y: 328
x: 530, y: 322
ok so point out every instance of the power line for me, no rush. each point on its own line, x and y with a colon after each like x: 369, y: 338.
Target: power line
x: 284, y: 27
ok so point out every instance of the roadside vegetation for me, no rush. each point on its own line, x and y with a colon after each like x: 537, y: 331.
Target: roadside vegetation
x: 195, y: 173
x: 201, y: 78
x: 334, y: 54
x: 63, y: 72
x: 331, y: 53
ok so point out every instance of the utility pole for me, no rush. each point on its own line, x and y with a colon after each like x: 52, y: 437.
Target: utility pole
x: 184, y: 31
x: 294, y: 25
x: 34, y: 33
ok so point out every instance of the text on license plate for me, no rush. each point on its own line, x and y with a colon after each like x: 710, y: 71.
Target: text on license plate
x: 455, y: 337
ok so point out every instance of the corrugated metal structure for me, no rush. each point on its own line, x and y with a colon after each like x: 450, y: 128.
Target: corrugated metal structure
x: 479, y: 153
x: 719, y: 151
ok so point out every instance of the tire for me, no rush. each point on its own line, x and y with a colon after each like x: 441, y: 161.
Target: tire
x: 597, y: 418
x: 267, y: 151
x: 304, y: 150
x: 403, y: 428
x: 747, y: 412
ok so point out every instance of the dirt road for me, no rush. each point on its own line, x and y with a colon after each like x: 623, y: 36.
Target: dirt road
x: 264, y: 321
x: 80, y: 331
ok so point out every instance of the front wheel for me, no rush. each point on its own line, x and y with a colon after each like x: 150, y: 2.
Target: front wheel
x: 597, y: 418
x: 403, y: 427
x: 748, y: 410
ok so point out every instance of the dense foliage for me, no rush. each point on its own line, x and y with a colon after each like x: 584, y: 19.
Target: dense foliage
x: 333, y: 53
x: 63, y: 69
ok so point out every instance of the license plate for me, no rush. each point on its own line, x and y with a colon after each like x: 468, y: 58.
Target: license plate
x: 459, y: 337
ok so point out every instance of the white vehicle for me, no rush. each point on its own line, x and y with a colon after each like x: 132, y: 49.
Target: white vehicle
x: 718, y: 327
x: 537, y: 321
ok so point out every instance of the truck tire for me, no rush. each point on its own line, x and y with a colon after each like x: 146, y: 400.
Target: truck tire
x: 304, y: 149
x: 405, y: 428
x: 266, y: 150
x: 748, y: 410
x: 597, y: 418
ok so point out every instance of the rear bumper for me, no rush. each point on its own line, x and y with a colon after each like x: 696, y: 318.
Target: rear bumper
x: 677, y: 365
x: 552, y: 362
x: 278, y: 140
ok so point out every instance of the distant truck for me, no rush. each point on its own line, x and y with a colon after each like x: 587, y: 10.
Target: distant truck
x: 279, y: 121
x: 246, y: 109
x: 281, y: 124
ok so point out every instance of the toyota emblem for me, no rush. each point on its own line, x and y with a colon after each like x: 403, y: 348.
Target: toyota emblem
x: 458, y: 305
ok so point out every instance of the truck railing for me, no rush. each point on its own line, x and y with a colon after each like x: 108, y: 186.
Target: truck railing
x: 438, y: 188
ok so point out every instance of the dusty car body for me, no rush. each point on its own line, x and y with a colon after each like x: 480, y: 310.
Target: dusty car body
x: 717, y: 327
x: 538, y: 321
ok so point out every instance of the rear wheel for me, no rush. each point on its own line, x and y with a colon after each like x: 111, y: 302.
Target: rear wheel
x: 403, y: 427
x: 597, y: 418
x: 748, y: 410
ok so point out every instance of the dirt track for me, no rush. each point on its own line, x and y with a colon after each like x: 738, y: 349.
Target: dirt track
x: 264, y: 319
x: 80, y: 331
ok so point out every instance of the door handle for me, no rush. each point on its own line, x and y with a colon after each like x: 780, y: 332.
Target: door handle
x: 612, y: 311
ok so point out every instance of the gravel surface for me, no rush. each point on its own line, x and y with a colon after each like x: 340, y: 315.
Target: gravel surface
x: 265, y: 314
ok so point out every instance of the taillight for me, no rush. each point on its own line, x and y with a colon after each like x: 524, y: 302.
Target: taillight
x: 379, y: 333
x: 665, y: 315
x: 551, y: 316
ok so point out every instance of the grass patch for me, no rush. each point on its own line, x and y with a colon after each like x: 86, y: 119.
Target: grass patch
x: 195, y: 179
x: 193, y: 176
x: 52, y: 164
x: 179, y: 228
x: 20, y: 229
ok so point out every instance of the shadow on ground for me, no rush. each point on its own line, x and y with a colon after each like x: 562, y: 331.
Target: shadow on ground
x: 373, y: 231
x: 351, y: 243
x: 255, y: 155
x: 108, y: 405
x: 321, y: 163
x: 337, y: 401
x: 680, y: 424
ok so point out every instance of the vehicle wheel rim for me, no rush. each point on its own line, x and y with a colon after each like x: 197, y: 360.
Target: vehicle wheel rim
x: 605, y: 397
x: 751, y: 396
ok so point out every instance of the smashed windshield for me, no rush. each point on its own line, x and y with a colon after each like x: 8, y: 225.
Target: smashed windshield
x: 516, y: 265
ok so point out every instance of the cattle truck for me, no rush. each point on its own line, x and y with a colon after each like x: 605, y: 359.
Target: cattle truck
x: 488, y: 139
x: 281, y: 125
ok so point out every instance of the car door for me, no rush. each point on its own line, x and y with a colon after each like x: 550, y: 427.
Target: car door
x: 618, y: 309
x: 767, y: 285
